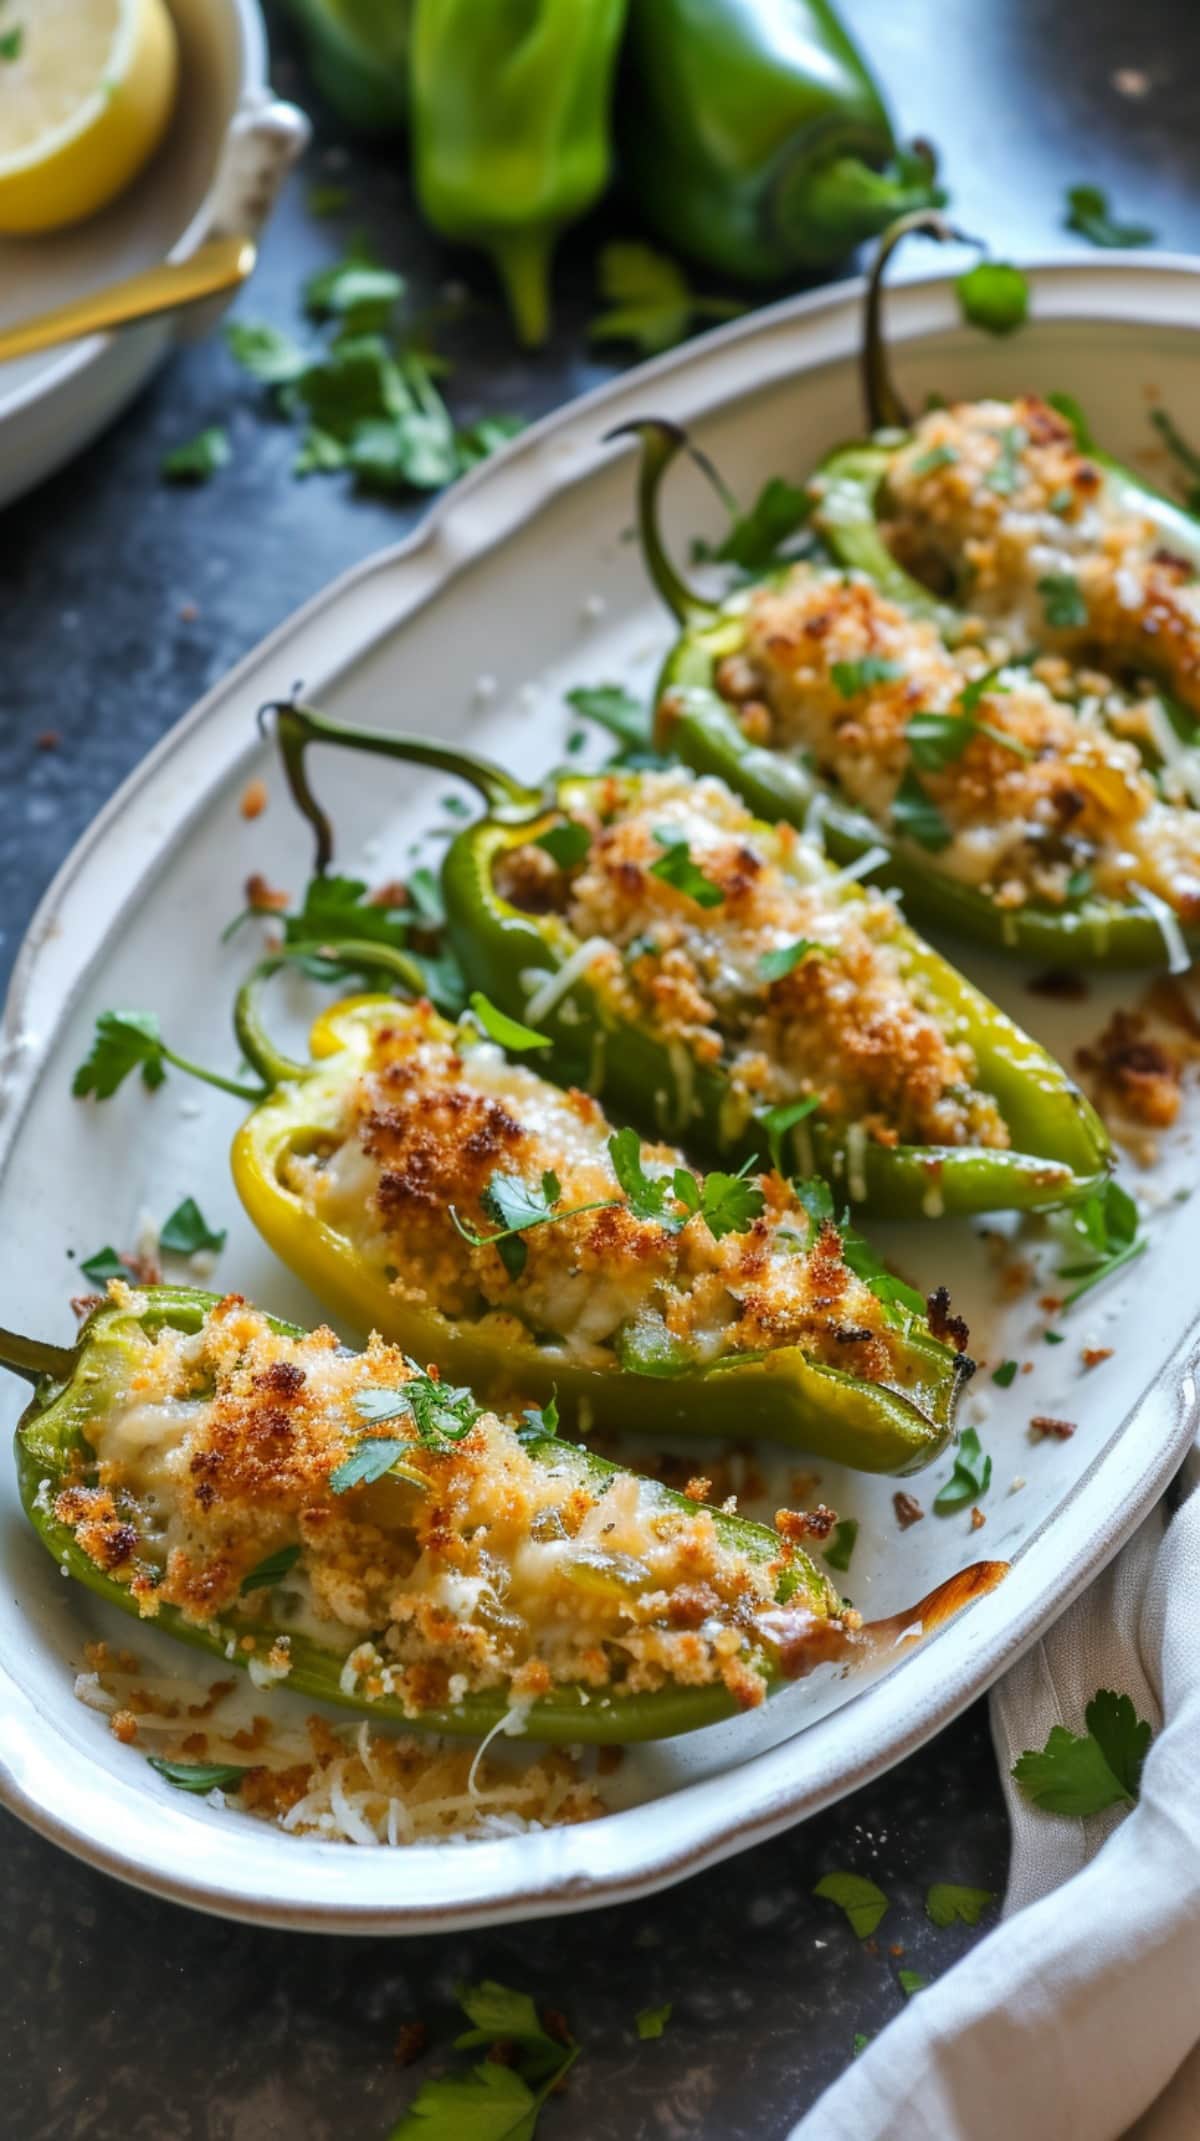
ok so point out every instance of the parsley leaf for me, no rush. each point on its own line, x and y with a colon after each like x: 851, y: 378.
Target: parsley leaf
x: 1063, y: 606
x: 779, y: 1120
x: 508, y: 1032
x: 927, y: 464
x: 946, y: 1903
x: 1005, y: 1373
x: 939, y: 740
x: 495, y: 2101
x: 845, y: 1535
x: 373, y: 1459
x: 500, y: 2015
x: 1082, y: 1775
x: 866, y: 1264
x: 755, y: 539
x: 861, y: 2041
x: 970, y: 1478
x: 125, y: 1041
x: 187, y: 1230
x: 863, y: 1903
x: 486, y: 437
x: 103, y: 1266
x: 676, y: 868
x: 775, y: 964
x: 852, y: 677
x: 271, y: 1571
x: 1105, y: 1228
x: 1088, y: 213
x: 566, y: 844
x: 652, y: 2021
x: 916, y: 816
x: 11, y: 42
x: 650, y: 301
x: 649, y: 1196
x: 265, y: 352
x: 199, y: 1776
x: 911, y: 1981
x: 356, y: 291
x: 441, y: 1412
x: 538, y: 1422
x: 516, y: 1208
x: 728, y: 1203
x: 1005, y: 472
x: 616, y: 710
x: 995, y: 296
x: 198, y: 458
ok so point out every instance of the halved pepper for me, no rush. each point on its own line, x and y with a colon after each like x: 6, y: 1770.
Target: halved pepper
x: 1058, y: 1151
x: 893, y: 1420
x: 103, y: 1531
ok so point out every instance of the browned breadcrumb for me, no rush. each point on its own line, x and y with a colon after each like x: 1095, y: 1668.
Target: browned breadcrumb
x: 83, y: 1304
x: 1137, y: 1075
x: 978, y: 1520
x: 951, y: 1330
x: 1092, y: 1356
x: 412, y: 2040
x: 1043, y: 1426
x: 264, y: 898
x: 124, y: 1727
x: 698, y: 1489
x: 908, y: 1510
x: 254, y: 799
x: 798, y: 1524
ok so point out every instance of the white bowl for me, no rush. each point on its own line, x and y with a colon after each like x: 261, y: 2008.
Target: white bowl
x: 227, y: 150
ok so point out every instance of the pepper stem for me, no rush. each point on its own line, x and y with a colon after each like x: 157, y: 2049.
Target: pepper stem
x: 273, y: 1066
x: 661, y: 442
x: 885, y: 406
x: 299, y: 726
x: 522, y: 261
x: 35, y: 1357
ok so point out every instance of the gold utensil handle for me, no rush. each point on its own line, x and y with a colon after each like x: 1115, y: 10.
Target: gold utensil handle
x: 219, y: 265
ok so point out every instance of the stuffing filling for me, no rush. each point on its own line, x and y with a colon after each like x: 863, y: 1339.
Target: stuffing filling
x: 441, y: 1140
x: 1028, y: 783
x: 736, y: 945
x: 995, y: 501
x: 471, y: 1563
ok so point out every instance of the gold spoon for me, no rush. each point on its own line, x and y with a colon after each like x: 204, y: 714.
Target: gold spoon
x: 221, y: 264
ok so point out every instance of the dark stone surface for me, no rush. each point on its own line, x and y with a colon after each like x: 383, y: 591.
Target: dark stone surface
x: 121, y: 601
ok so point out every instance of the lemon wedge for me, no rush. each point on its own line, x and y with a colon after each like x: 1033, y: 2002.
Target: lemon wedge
x: 86, y: 88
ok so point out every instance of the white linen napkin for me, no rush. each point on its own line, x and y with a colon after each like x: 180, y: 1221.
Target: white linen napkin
x: 1080, y: 2014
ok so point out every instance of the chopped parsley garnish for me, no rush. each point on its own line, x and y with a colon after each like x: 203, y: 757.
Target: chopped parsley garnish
x: 1083, y: 1774
x: 1104, y: 1228
x: 863, y: 1903
x: 265, y: 352
x: 342, y: 919
x: 1061, y: 500
x: 199, y: 1776
x: 1063, y: 606
x: 861, y: 2041
x: 774, y: 965
x: 676, y: 868
x: 939, y: 740
x: 867, y: 1265
x: 947, y: 1904
x: 128, y: 1041
x: 509, y: 1032
x: 356, y: 291
x: 1053, y: 1338
x: 852, y: 677
x: 911, y: 1981
x: 995, y: 296
x: 757, y: 538
x: 538, y: 1421
x: 927, y: 464
x: 1004, y: 474
x: 199, y: 458
x: 516, y: 1208
x: 649, y: 299
x: 11, y: 42
x: 616, y: 710
x: 566, y: 844
x: 841, y: 1546
x: 187, y: 1231
x: 778, y: 1121
x: 1088, y: 213
x: 1005, y: 1373
x: 916, y: 816
x: 440, y: 1415
x: 652, y: 2021
x: 500, y: 2099
x: 726, y: 1203
x: 1079, y: 884
x: 373, y: 1459
x: 970, y: 1478
x: 103, y: 1266
x: 271, y: 1571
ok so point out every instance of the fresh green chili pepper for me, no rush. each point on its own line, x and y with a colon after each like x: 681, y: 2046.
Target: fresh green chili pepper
x: 74, y: 1385
x: 510, y: 112
x: 785, y: 1395
x: 358, y: 53
x: 755, y: 138
x: 1060, y: 1150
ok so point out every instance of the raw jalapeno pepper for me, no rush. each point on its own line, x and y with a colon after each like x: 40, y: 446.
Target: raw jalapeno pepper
x: 889, y: 1408
x: 1048, y: 1147
x: 276, y: 1424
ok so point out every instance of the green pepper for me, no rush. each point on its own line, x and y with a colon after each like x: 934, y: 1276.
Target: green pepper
x: 1060, y: 1150
x: 896, y: 1423
x: 358, y: 54
x: 74, y: 1385
x: 754, y: 137
x: 510, y: 113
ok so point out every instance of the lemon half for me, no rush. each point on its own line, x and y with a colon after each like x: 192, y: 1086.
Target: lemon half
x: 86, y: 88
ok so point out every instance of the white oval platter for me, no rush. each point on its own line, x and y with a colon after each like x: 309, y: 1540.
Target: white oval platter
x: 520, y: 583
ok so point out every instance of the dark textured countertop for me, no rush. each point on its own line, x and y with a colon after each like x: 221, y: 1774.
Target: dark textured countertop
x: 122, y: 600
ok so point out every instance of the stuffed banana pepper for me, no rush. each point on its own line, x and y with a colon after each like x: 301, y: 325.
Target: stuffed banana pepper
x: 719, y: 981
x: 426, y: 1187
x: 350, y: 1526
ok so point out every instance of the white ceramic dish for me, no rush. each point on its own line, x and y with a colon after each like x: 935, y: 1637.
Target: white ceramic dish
x: 520, y: 583
x: 227, y: 151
